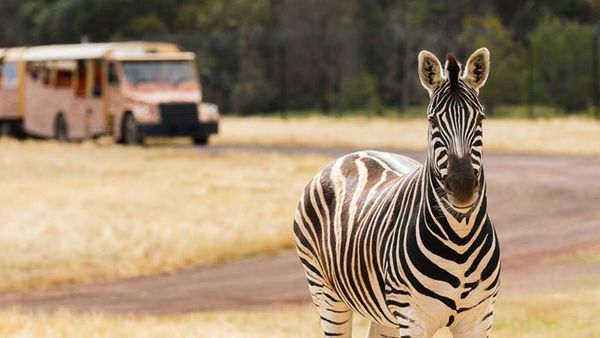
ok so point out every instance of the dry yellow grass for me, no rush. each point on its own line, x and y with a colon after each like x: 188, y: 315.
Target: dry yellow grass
x: 89, y: 212
x: 555, y: 135
x: 551, y: 315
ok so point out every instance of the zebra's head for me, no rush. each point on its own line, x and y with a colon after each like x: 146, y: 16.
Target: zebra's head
x: 455, y: 123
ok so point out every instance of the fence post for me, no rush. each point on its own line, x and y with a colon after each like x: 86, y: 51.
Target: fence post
x: 405, y: 71
x: 595, y: 75
x: 283, y: 90
x: 530, y: 101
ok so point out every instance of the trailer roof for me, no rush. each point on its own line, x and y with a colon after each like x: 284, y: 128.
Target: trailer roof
x: 13, y: 54
x: 182, y: 56
x: 66, y: 52
x: 93, y: 50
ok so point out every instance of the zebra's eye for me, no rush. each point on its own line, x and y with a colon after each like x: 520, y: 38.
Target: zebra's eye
x: 480, y: 118
x: 434, y: 121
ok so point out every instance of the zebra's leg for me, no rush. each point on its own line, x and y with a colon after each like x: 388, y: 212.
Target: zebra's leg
x: 476, y: 332
x: 336, y: 316
x: 481, y: 330
x: 479, y: 327
x: 380, y: 331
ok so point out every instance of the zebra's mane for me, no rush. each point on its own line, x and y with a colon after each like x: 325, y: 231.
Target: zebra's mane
x: 452, y: 71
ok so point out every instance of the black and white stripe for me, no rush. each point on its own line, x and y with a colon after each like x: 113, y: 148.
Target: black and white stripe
x: 384, y: 236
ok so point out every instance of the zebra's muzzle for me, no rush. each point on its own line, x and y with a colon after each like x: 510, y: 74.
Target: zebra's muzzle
x: 461, y: 184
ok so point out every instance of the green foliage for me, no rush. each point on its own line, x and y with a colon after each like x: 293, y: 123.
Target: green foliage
x: 11, y: 27
x: 218, y: 15
x: 145, y: 24
x: 360, y: 90
x: 334, y: 55
x: 251, y: 92
x: 507, y: 76
x: 562, y: 57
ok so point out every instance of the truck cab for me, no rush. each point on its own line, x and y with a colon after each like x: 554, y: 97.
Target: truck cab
x: 157, y: 93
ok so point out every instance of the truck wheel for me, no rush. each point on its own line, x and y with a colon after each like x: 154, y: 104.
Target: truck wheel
x: 200, y: 140
x: 18, y: 132
x: 61, y: 130
x: 131, y: 132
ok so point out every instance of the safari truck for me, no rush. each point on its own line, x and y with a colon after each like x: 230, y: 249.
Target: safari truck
x: 131, y: 90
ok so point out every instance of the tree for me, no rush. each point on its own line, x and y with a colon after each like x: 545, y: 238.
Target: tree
x: 11, y: 25
x: 562, y: 60
x: 334, y: 54
x: 507, y: 77
x: 317, y: 39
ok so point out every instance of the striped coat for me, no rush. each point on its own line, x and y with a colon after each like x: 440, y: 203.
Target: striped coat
x: 379, y: 234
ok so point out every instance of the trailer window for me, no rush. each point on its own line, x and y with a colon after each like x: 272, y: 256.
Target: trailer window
x: 64, y: 78
x: 97, y: 89
x: 46, y: 75
x: 81, y: 79
x: 32, y: 71
x: 10, y: 78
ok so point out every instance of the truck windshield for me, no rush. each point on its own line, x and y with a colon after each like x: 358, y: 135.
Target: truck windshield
x: 171, y: 72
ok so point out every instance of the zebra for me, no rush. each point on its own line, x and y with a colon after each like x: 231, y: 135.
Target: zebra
x: 408, y: 246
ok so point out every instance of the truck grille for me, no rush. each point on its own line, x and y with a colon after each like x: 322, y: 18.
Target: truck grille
x: 179, y: 114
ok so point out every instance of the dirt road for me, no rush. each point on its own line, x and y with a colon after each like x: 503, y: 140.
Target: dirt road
x: 544, y: 208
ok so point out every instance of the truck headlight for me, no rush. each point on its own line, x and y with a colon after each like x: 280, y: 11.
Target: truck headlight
x: 212, y: 110
x: 141, y: 111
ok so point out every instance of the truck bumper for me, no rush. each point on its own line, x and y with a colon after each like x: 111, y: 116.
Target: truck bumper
x: 195, y: 129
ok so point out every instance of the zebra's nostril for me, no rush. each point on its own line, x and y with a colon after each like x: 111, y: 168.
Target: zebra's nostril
x: 476, y: 185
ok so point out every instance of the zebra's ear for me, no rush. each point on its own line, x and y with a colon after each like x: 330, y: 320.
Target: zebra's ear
x: 478, y: 68
x: 430, y: 71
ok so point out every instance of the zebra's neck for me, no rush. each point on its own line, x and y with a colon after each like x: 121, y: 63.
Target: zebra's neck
x: 461, y: 221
